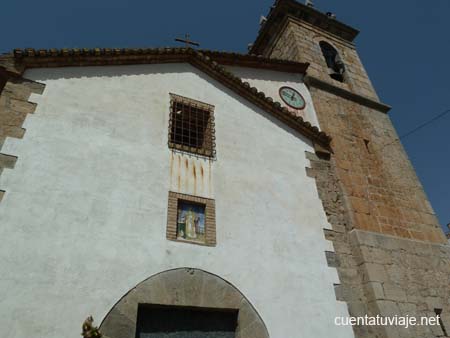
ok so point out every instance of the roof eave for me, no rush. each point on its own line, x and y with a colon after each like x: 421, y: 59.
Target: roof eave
x: 208, y: 64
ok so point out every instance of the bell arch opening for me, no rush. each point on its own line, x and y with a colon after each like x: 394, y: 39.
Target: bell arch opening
x: 189, y: 301
x: 336, y: 67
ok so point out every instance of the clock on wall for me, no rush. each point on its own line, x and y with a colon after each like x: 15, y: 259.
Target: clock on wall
x: 292, y: 98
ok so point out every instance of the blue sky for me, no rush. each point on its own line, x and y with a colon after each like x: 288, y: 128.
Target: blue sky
x: 404, y: 44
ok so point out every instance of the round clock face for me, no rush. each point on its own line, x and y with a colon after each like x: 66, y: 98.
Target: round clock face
x: 292, y: 98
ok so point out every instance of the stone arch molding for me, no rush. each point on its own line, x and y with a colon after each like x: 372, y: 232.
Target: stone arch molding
x: 183, y: 287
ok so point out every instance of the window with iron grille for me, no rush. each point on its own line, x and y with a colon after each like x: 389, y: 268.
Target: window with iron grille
x: 191, y: 126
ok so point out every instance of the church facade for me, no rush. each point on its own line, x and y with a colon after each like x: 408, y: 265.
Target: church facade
x: 174, y: 192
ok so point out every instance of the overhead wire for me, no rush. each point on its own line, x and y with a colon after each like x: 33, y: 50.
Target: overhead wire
x: 413, y: 131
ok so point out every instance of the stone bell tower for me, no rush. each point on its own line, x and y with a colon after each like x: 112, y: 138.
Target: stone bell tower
x: 385, y: 233
x: 301, y: 33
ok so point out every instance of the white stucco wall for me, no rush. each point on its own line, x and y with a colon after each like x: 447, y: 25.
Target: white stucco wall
x: 270, y: 82
x: 84, y: 215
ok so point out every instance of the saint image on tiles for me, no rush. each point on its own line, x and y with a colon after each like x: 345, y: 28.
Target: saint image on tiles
x: 191, y: 222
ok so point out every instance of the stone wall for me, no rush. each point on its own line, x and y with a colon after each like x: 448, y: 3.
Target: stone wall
x: 307, y: 49
x: 383, y: 191
x: 391, y: 255
x: 351, y: 287
x: 14, y: 107
x: 404, y: 277
x: 379, y: 273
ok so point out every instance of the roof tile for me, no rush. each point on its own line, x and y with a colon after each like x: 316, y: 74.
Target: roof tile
x: 209, y: 61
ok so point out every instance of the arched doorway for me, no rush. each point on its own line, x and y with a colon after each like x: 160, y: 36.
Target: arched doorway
x: 183, y: 288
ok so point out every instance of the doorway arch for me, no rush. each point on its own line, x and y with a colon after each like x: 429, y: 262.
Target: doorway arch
x: 183, y: 287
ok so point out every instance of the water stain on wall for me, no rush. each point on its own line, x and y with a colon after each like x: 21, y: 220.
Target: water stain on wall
x: 191, y: 175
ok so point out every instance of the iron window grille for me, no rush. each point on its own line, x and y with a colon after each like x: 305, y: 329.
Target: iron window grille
x: 191, y: 126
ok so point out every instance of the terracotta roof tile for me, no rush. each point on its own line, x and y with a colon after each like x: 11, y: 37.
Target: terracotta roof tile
x: 208, y: 61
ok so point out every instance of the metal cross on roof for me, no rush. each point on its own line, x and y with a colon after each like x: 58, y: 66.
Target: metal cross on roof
x: 187, y: 41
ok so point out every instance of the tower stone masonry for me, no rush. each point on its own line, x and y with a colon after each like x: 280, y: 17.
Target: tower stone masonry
x: 390, y: 251
x: 270, y: 186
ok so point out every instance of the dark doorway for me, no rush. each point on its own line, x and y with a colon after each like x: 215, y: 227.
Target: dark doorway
x: 158, y: 321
